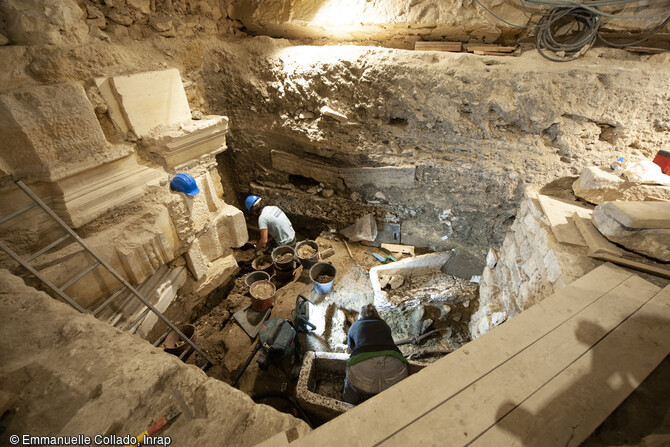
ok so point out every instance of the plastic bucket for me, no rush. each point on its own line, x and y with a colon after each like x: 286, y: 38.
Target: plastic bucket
x: 280, y: 251
x: 259, y: 292
x: 319, y: 269
x: 256, y: 276
x: 175, y: 345
x: 263, y: 263
x: 307, y: 262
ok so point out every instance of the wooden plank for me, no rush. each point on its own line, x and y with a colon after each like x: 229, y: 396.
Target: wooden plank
x: 559, y: 213
x: 571, y: 406
x: 437, y: 46
x: 464, y: 416
x: 429, y: 388
x: 491, y: 48
x: 293, y: 164
x: 641, y: 214
x: 645, y: 50
x: 396, y: 248
x: 491, y: 53
x: 640, y: 267
x: 596, y: 242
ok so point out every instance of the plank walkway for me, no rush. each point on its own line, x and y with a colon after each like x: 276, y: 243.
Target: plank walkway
x: 547, y: 377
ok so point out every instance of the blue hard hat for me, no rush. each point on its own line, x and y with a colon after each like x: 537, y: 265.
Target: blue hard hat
x: 251, y: 201
x: 185, y: 183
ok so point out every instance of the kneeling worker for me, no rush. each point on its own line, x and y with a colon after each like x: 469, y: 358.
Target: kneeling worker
x: 271, y: 220
x: 375, y: 363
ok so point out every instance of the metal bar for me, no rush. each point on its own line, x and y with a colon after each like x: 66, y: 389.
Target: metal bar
x: 108, y: 301
x: 162, y: 337
x: 60, y: 293
x: 113, y: 272
x: 79, y: 276
x: 16, y: 213
x: 48, y: 247
x: 135, y: 325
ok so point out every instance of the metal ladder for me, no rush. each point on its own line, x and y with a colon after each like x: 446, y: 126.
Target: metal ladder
x: 60, y: 291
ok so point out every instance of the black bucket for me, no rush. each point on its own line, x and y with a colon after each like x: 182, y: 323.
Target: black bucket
x: 308, y: 262
x: 283, y: 250
x: 256, y: 276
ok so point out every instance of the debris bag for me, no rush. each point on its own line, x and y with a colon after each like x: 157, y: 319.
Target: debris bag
x: 365, y: 229
x: 646, y: 171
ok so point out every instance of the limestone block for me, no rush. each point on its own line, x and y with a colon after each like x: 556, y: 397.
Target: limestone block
x: 207, y: 188
x: 86, y: 195
x: 164, y: 294
x: 144, y: 6
x: 3, y: 40
x: 552, y: 266
x: 327, y: 111
x: 220, y: 271
x: 233, y: 227
x: 151, y: 99
x: 491, y: 258
x: 195, y: 260
x: 45, y: 22
x: 189, y: 141
x: 649, y: 242
x: 598, y: 185
x: 381, y: 177
x: 140, y: 261
x: 51, y: 132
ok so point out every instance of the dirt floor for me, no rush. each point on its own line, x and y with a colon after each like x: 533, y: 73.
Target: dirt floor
x: 421, y: 304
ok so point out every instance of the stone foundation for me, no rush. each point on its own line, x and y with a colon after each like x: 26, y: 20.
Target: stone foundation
x: 530, y: 266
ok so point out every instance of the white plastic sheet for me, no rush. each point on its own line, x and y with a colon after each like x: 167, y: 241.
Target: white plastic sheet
x: 365, y: 229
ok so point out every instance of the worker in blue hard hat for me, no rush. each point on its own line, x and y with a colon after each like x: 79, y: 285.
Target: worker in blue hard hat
x: 184, y: 183
x: 273, y: 224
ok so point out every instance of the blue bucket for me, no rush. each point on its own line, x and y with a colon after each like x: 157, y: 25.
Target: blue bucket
x: 319, y: 269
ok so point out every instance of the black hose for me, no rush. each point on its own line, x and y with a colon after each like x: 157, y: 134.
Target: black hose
x: 291, y: 399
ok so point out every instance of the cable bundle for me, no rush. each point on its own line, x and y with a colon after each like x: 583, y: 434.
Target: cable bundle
x: 571, y: 27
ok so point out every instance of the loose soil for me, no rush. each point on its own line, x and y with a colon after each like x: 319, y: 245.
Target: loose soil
x: 324, y: 279
x: 306, y: 252
x: 286, y: 257
x: 262, y: 290
x: 262, y: 264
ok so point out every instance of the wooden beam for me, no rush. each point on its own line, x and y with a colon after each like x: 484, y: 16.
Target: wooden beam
x: 437, y: 46
x: 656, y: 271
x: 490, y: 48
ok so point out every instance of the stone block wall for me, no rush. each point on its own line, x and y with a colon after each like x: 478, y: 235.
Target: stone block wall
x: 530, y: 266
x: 117, y: 195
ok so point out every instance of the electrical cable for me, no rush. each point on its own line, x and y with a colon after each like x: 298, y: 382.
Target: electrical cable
x: 571, y: 27
x: 567, y: 32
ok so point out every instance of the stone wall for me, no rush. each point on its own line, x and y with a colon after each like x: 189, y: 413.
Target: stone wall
x: 102, y: 159
x: 530, y: 266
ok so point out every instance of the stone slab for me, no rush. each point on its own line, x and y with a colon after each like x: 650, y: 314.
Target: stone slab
x: 596, y: 242
x: 650, y: 242
x: 641, y: 214
x: 597, y: 185
x: 151, y: 99
x: 559, y: 213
